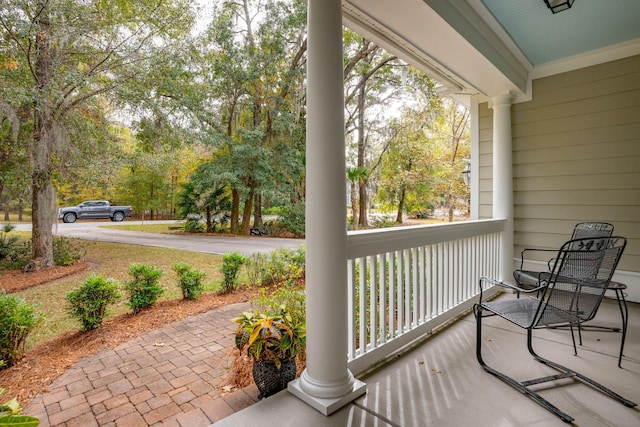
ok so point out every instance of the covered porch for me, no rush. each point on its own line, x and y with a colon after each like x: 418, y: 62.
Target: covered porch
x: 554, y: 142
x: 438, y: 382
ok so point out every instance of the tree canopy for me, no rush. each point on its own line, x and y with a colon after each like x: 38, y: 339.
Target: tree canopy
x: 184, y: 107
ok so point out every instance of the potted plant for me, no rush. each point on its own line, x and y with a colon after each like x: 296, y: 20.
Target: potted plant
x: 273, y: 342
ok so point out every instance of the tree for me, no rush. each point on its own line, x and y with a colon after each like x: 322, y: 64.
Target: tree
x: 73, y: 53
x: 369, y: 76
x: 410, y: 177
x: 204, y: 194
x: 453, y: 130
x: 248, y: 100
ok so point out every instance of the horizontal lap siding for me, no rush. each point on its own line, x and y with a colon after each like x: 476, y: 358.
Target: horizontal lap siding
x: 576, y: 154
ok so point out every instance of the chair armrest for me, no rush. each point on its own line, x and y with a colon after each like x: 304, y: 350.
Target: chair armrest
x: 496, y: 282
x: 524, y: 251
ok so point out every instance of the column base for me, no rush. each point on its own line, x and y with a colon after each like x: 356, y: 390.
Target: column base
x: 327, y: 406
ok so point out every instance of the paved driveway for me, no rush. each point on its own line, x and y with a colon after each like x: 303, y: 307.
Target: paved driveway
x: 100, y: 231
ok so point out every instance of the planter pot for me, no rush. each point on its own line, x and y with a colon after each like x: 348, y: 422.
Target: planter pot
x: 270, y: 379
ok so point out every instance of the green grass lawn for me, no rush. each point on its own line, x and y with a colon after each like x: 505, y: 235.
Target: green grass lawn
x: 112, y: 260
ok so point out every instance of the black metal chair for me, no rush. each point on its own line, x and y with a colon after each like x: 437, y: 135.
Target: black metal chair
x: 570, y: 293
x: 529, y: 279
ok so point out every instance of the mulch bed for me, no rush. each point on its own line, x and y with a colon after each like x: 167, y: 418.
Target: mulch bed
x: 41, y: 365
x: 14, y: 281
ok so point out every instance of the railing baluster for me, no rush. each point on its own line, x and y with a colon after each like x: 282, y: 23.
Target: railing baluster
x: 352, y: 345
x: 400, y: 286
x: 407, y: 289
x: 382, y: 295
x: 373, y: 302
x: 362, y: 301
x: 422, y: 283
x: 392, y: 296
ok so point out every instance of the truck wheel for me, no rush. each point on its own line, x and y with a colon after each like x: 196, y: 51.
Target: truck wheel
x: 118, y: 216
x: 69, y: 217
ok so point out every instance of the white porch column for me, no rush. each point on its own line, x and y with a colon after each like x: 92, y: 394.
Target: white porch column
x: 326, y: 384
x: 503, y: 179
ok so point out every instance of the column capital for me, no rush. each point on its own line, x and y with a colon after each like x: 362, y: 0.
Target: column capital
x: 503, y: 99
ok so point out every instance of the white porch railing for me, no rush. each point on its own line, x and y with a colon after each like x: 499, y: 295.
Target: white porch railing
x: 405, y: 281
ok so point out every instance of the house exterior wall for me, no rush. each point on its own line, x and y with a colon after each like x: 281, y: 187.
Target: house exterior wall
x: 576, y: 157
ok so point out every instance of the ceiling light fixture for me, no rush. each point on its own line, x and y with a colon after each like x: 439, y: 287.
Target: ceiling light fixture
x: 558, y: 5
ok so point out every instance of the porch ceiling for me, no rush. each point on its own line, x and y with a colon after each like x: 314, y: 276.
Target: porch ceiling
x: 490, y: 47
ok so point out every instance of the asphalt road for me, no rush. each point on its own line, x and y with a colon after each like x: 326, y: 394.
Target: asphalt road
x: 101, y: 232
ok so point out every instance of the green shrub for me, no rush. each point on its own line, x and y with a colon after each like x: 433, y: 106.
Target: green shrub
x: 144, y: 289
x: 14, y: 254
x: 17, y: 320
x: 257, y: 266
x: 383, y: 221
x: 292, y: 219
x: 193, y: 225
x: 278, y: 266
x: 89, y: 302
x: 231, y: 264
x: 65, y: 251
x: 189, y: 280
x: 292, y: 301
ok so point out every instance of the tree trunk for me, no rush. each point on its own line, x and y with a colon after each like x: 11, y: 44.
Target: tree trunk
x: 41, y: 169
x: 401, y: 205
x: 354, y: 205
x: 235, y: 211
x: 246, y: 214
x: 20, y: 201
x: 6, y: 204
x: 208, y: 219
x: 363, y: 200
x: 257, y: 211
x: 362, y: 183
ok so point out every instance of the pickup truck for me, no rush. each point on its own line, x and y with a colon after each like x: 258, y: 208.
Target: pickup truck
x: 95, y: 209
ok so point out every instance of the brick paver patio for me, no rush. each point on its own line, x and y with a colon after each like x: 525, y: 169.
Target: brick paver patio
x: 172, y: 376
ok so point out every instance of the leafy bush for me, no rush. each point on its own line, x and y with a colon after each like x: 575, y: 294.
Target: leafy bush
x: 189, y: 280
x: 144, y: 289
x: 89, y: 302
x: 193, y: 225
x: 65, y: 251
x: 292, y: 219
x: 383, y: 221
x: 14, y: 254
x: 17, y: 320
x: 231, y: 263
x: 258, y: 268
x: 8, y: 227
x: 292, y: 301
x: 280, y: 265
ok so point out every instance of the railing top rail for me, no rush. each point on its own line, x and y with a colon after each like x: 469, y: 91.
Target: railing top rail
x: 370, y: 242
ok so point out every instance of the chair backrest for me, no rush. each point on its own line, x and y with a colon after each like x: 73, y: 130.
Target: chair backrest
x: 581, y: 273
x: 583, y: 230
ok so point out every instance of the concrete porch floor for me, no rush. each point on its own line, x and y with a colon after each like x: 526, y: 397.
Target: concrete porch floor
x: 440, y: 383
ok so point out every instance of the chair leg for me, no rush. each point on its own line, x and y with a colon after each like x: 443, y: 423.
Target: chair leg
x: 477, y: 310
x: 624, y: 313
x: 573, y: 338
x: 571, y: 373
